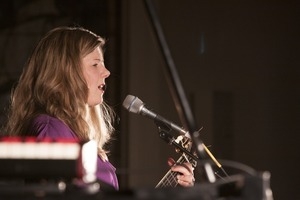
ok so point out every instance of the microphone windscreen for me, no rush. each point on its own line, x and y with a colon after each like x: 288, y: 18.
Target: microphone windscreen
x: 132, y: 104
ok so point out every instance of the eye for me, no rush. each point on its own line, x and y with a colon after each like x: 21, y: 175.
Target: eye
x: 95, y: 65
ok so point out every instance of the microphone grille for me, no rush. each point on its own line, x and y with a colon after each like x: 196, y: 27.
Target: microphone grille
x: 132, y: 104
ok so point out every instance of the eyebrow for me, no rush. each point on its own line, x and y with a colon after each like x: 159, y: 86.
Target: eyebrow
x: 100, y: 60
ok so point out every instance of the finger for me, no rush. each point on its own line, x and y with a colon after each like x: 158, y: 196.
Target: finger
x: 171, y: 162
x: 189, y: 167
x: 185, y: 184
x: 184, y: 169
x: 186, y: 180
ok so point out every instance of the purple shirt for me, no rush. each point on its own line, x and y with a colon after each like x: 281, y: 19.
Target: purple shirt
x: 45, y: 126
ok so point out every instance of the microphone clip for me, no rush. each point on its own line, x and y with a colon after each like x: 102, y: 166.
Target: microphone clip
x: 170, y: 139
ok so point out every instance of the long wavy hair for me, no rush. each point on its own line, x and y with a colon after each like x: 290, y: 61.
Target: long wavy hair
x: 52, y: 83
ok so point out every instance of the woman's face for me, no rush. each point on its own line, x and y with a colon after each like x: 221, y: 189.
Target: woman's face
x: 95, y: 73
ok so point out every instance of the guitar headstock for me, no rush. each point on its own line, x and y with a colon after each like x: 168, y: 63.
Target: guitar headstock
x: 186, y: 143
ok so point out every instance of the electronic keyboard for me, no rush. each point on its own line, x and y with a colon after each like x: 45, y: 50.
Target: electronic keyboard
x: 29, y: 158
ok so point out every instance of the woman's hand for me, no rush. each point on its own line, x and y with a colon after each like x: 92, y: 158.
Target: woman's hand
x: 185, y: 171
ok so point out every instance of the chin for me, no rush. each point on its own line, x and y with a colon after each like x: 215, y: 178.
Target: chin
x: 95, y: 103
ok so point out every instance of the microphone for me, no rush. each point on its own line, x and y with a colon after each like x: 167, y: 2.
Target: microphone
x: 135, y: 105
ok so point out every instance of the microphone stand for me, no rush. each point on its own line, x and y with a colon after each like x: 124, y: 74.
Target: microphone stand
x: 178, y: 93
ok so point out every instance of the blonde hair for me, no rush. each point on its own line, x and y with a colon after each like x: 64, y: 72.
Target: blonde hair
x: 52, y: 83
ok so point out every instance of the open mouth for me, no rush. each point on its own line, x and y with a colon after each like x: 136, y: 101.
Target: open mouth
x: 102, y: 87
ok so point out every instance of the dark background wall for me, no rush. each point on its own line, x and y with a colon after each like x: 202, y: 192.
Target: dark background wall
x: 238, y: 62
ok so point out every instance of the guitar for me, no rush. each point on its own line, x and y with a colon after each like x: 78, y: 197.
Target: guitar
x: 169, y: 179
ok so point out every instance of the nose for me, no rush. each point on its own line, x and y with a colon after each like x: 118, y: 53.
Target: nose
x: 106, y: 72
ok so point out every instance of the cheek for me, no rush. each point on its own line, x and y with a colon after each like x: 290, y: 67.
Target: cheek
x: 90, y: 79
x: 86, y: 77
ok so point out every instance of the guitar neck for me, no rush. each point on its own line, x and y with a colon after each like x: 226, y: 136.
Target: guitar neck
x: 170, y: 178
